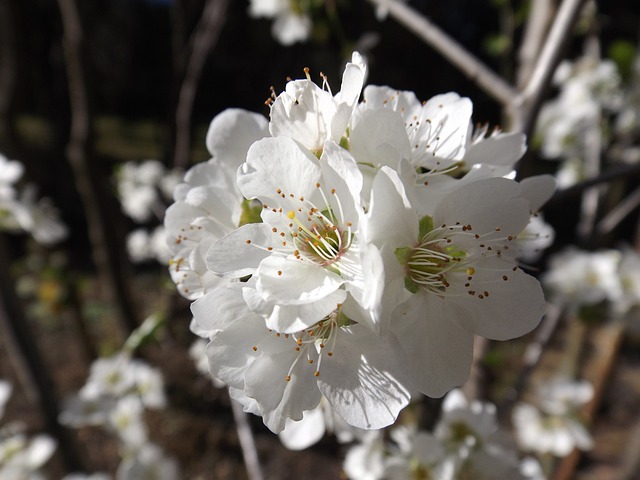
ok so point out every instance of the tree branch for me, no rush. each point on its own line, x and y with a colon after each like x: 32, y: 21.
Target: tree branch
x: 206, y: 35
x: 105, y: 247
x: 471, y: 66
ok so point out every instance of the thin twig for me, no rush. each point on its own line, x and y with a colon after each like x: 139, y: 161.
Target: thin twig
x: 535, y: 31
x: 105, y: 247
x: 619, y: 213
x: 206, y: 35
x: 245, y: 435
x: 526, y: 105
x: 470, y: 65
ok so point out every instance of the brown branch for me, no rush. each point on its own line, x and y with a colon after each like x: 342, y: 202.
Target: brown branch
x: 492, y: 83
x: 526, y: 106
x: 535, y: 31
x: 205, y: 37
x: 105, y: 246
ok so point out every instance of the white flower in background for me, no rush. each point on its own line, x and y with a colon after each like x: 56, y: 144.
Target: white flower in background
x: 588, y: 89
x: 198, y: 353
x: 279, y: 376
x: 143, y: 246
x: 21, y: 457
x: 149, y: 463
x: 5, y: 393
x: 10, y: 173
x: 451, y: 272
x: 138, y: 189
x: 629, y: 273
x: 126, y: 419
x: 109, y: 376
x: 554, y: 426
x: 366, y: 460
x: 20, y: 210
x: 209, y: 204
x: 292, y: 22
x: 312, y: 115
x: 578, y: 278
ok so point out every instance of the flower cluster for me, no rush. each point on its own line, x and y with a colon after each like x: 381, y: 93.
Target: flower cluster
x: 554, y: 425
x: 465, y: 443
x: 581, y: 279
x: 117, y: 393
x: 20, y: 211
x: 350, y: 250
x: 144, y: 189
x: 292, y: 22
x: 20, y: 456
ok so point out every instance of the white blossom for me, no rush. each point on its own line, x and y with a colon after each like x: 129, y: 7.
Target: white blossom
x: 579, y: 278
x: 554, y: 426
x: 209, y: 204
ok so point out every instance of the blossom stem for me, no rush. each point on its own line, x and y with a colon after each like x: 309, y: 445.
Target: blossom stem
x: 245, y: 436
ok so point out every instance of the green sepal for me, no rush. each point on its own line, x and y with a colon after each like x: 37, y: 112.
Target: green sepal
x: 425, y: 226
x: 402, y: 254
x: 250, y: 212
x: 411, y: 285
x: 344, y: 143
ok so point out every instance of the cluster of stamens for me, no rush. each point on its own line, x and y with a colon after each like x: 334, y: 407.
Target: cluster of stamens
x: 313, y: 342
x: 313, y: 235
x: 437, y: 255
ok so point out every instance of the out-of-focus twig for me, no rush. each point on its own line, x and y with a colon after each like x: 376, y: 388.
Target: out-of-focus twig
x: 471, y: 66
x: 204, y: 38
x: 605, y: 345
x: 524, y: 109
x: 627, y: 171
x: 245, y: 435
x: 619, y: 212
x: 535, y: 31
x: 105, y: 247
x: 473, y: 388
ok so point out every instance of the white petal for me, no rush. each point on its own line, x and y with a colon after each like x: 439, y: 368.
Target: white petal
x: 293, y: 318
x: 277, y: 166
x: 493, y: 205
x: 537, y: 190
x: 231, y: 351
x: 232, y: 132
x: 502, y: 150
x: 303, y: 112
x: 380, y: 138
x: 278, y: 398
x: 439, y: 350
x: 303, y: 433
x: 221, y: 307
x: 364, y: 379
x: 233, y: 257
x: 390, y: 218
x: 289, y: 281
x: 512, y: 308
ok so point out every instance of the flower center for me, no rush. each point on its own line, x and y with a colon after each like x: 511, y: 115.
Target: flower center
x: 427, y: 263
x: 318, y: 239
